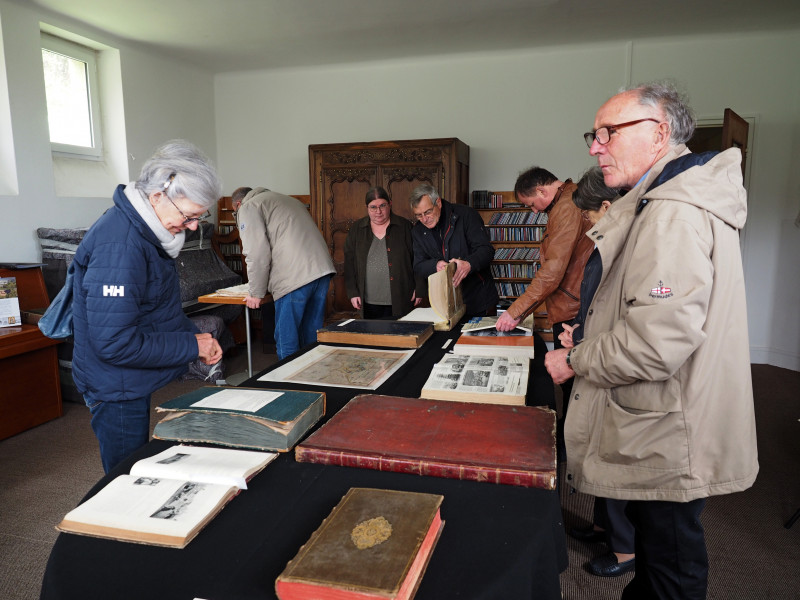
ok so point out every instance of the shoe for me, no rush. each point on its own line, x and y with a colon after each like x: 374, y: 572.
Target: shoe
x: 606, y: 565
x: 589, y: 535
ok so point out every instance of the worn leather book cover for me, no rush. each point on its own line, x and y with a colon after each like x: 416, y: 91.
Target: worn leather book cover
x: 252, y: 418
x: 513, y: 445
x: 447, y: 303
x: 375, y: 544
x: 376, y: 332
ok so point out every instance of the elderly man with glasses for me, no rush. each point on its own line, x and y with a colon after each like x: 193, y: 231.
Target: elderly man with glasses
x: 446, y: 232
x: 661, y: 412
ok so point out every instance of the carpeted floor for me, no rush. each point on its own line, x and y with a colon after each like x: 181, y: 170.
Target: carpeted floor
x: 44, y: 472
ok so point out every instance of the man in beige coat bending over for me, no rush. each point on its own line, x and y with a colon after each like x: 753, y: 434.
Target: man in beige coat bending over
x: 661, y: 412
x: 286, y: 256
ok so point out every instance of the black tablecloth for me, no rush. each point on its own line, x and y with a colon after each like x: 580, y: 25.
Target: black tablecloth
x: 498, y: 542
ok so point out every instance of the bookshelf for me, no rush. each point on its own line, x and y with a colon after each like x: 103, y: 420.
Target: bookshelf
x: 516, y: 234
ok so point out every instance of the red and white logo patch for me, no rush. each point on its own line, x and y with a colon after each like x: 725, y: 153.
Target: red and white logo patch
x: 661, y: 291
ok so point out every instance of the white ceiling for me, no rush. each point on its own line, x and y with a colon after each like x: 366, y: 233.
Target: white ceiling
x: 235, y: 35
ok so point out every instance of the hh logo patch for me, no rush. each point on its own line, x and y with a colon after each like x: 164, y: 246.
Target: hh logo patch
x: 241, y: 226
x: 113, y: 290
x: 661, y: 291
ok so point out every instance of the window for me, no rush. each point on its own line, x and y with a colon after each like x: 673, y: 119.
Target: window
x: 73, y: 111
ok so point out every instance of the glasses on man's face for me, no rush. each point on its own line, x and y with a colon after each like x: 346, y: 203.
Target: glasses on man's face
x: 426, y: 214
x: 378, y: 207
x: 603, y: 134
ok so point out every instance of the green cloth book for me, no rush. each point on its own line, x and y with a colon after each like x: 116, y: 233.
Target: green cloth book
x: 257, y: 419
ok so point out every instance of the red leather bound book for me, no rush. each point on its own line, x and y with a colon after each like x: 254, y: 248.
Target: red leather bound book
x: 513, y: 445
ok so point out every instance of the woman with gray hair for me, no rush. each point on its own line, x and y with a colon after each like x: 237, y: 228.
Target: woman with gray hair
x: 131, y: 335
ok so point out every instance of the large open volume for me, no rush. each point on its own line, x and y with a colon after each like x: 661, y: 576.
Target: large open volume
x: 374, y: 545
x: 167, y: 498
x: 512, y: 445
x: 493, y: 379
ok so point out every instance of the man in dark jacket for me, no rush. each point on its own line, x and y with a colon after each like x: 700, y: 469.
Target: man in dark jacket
x: 454, y: 233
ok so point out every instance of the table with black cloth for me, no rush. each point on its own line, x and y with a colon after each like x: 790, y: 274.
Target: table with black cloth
x: 498, y: 542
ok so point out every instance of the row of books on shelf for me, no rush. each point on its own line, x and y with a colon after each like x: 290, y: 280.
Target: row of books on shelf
x: 514, y: 270
x: 487, y: 199
x: 228, y: 249
x: 224, y: 229
x: 510, y: 289
x: 234, y: 264
x: 516, y: 254
x: 518, y: 218
x: 516, y: 234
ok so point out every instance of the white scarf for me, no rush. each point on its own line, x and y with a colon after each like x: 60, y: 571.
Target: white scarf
x: 172, y: 244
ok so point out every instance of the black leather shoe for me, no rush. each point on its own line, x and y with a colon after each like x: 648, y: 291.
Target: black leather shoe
x: 589, y: 535
x: 606, y: 565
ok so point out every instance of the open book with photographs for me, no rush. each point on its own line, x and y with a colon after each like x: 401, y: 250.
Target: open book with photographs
x: 167, y: 498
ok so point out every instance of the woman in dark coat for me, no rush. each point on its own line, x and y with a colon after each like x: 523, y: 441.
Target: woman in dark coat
x: 378, y: 261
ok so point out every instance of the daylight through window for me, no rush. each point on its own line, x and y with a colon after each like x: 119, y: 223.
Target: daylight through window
x: 71, y: 88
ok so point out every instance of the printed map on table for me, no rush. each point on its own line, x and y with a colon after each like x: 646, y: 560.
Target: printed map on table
x: 341, y: 367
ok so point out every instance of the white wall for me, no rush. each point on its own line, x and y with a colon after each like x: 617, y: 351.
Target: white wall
x: 531, y: 107
x: 163, y: 99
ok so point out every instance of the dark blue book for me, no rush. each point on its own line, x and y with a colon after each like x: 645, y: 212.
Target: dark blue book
x: 257, y: 419
x: 376, y: 332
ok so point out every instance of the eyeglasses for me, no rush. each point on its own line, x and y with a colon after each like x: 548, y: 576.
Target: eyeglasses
x: 427, y: 213
x: 603, y: 134
x: 378, y: 208
x: 188, y: 220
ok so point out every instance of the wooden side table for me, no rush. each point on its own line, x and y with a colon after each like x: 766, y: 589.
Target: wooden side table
x: 31, y: 391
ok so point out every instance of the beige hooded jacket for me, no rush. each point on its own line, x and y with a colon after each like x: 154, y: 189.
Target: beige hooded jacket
x: 662, y: 404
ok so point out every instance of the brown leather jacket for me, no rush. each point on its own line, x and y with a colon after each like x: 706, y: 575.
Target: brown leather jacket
x: 564, y: 252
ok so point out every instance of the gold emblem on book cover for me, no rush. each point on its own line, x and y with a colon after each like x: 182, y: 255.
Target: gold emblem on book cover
x: 371, y: 533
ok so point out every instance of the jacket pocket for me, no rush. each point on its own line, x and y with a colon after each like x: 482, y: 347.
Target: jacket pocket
x: 644, y: 427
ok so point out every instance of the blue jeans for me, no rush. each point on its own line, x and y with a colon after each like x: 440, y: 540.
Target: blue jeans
x: 298, y: 315
x: 120, y: 427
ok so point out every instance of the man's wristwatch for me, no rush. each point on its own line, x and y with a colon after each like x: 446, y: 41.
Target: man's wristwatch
x: 569, y: 361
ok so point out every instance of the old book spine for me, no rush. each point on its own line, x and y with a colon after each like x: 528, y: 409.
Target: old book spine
x: 539, y: 479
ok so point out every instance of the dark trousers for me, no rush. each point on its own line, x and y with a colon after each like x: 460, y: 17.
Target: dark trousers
x: 609, y: 514
x: 671, y: 558
x: 377, y: 311
x: 566, y: 387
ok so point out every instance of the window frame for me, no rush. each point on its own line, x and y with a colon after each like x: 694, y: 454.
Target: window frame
x: 87, y: 55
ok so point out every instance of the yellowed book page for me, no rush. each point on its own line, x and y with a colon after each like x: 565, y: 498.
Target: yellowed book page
x: 148, y: 509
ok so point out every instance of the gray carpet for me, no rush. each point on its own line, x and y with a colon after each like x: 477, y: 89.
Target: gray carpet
x: 45, y: 471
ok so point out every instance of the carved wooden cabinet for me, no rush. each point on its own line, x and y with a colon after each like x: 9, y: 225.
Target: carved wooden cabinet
x: 341, y: 174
